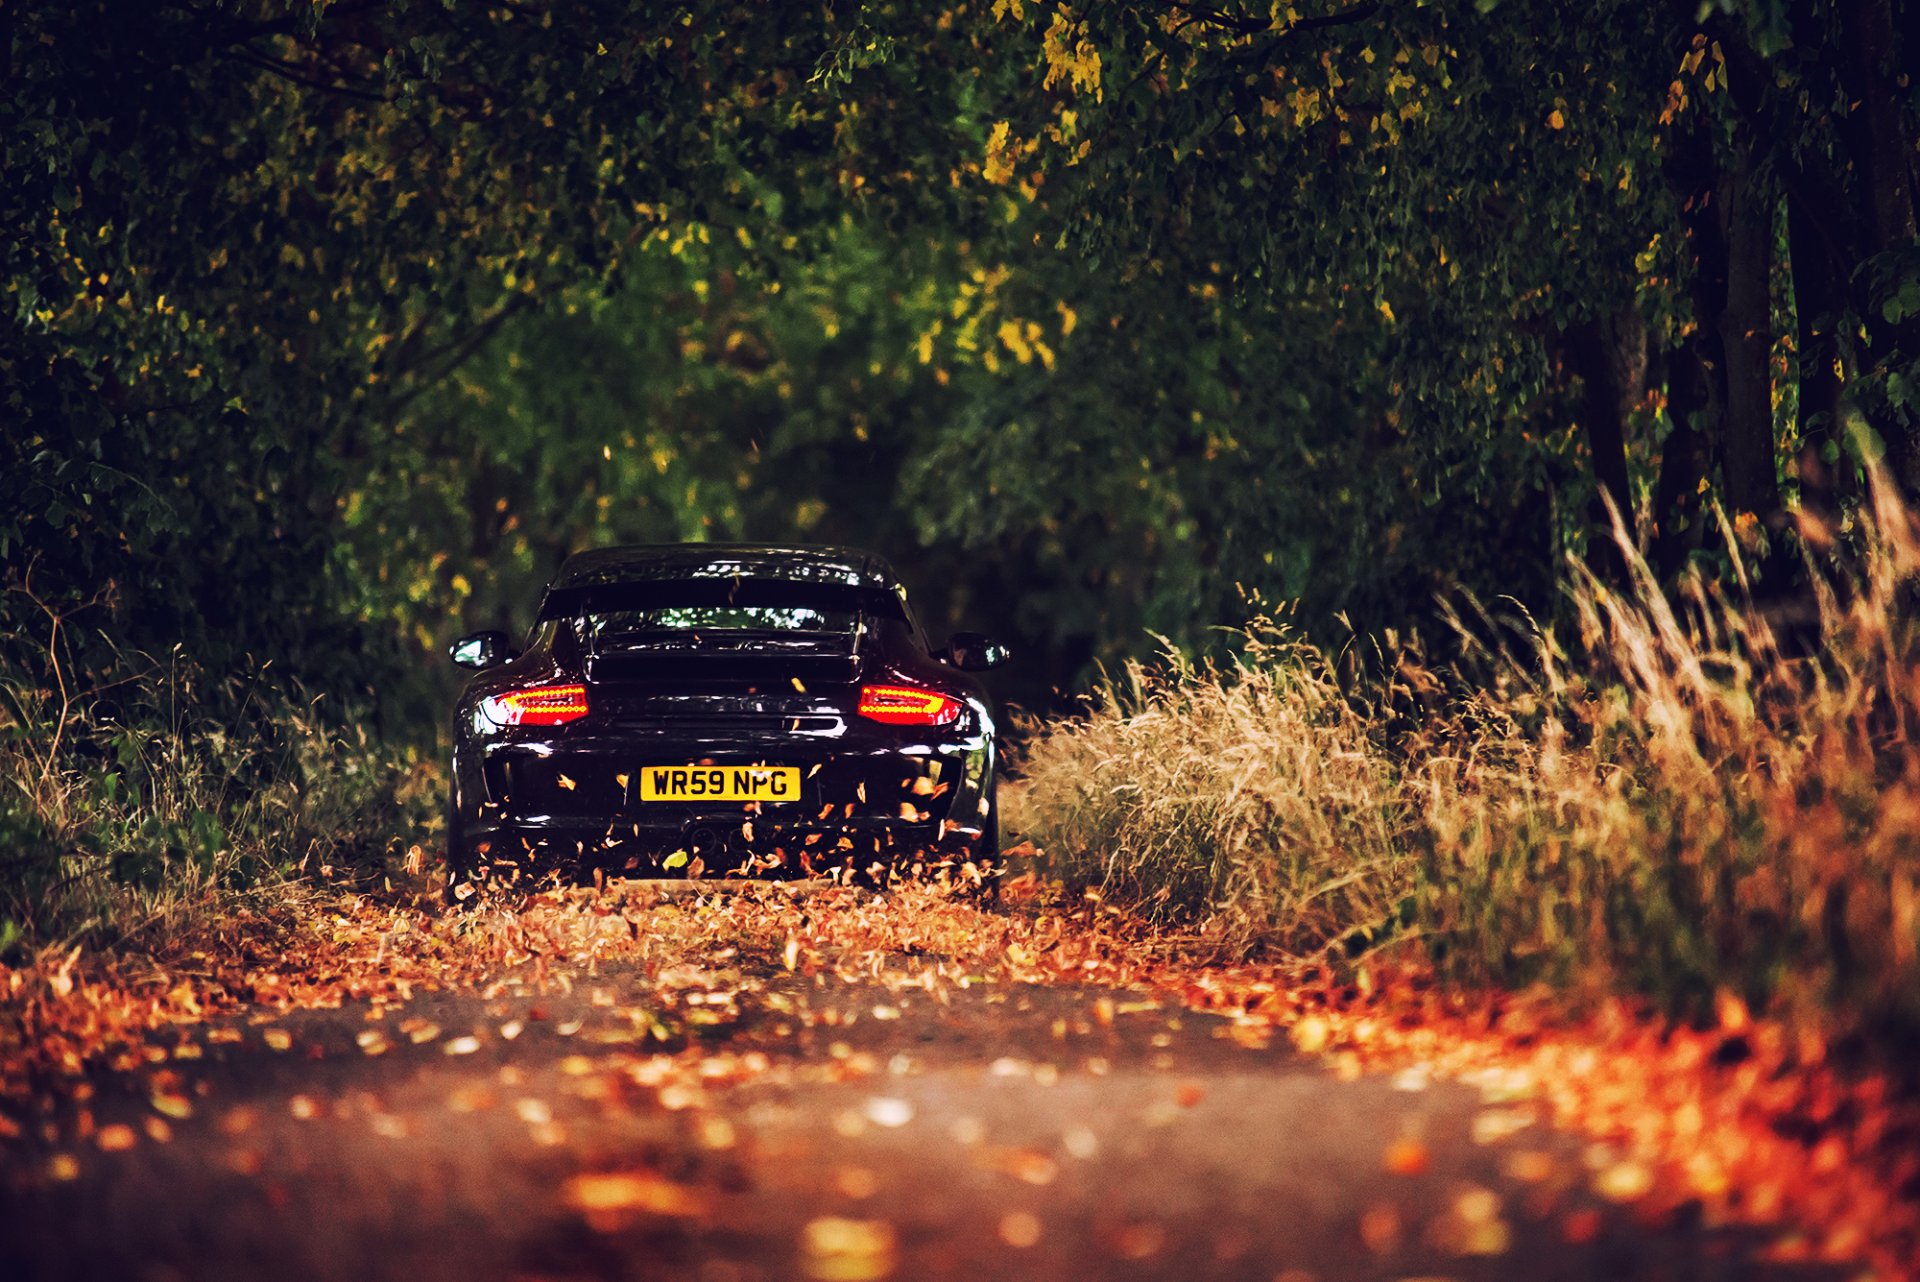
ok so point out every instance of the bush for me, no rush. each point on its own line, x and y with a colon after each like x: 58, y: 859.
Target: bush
x: 1258, y: 791
x: 1676, y: 804
x: 133, y: 811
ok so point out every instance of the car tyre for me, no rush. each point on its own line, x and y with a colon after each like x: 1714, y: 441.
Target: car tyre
x: 459, y: 859
x: 984, y: 854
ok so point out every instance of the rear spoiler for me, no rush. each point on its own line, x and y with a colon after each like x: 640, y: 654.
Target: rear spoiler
x: 613, y: 598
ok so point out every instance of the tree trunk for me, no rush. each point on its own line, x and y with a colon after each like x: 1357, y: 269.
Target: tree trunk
x: 1697, y: 374
x: 1749, y: 470
x: 1608, y: 355
x: 1826, y: 473
x: 1685, y: 459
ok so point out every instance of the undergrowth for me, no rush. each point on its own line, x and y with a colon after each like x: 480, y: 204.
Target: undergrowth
x: 131, y: 813
x: 1678, y: 799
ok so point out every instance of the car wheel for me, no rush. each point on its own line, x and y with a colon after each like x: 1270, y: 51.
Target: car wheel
x: 984, y: 853
x: 459, y: 858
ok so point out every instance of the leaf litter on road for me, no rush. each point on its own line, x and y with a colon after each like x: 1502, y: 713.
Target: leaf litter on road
x: 1739, y: 1119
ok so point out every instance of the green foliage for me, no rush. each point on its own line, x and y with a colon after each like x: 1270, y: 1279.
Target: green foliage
x: 192, y: 795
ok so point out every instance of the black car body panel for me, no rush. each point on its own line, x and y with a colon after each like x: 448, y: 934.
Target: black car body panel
x: 721, y: 657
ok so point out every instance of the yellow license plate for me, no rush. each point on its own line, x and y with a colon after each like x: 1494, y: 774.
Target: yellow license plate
x: 720, y: 783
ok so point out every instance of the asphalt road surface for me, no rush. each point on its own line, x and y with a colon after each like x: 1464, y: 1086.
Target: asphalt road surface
x: 807, y: 1129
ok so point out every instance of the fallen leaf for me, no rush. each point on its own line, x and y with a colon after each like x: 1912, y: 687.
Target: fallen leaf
x: 471, y: 1099
x: 1380, y: 1227
x: 1407, y: 1157
x: 1579, y: 1227
x: 835, y: 1249
x: 611, y: 1200
x: 1624, y: 1181
x: 1252, y: 1036
x: 889, y: 1112
x: 178, y: 1107
x: 1495, y: 1124
x: 1528, y: 1166
x: 277, y: 1038
x: 1473, y: 1225
x: 1019, y: 1229
x: 462, y: 1046
x: 1311, y: 1034
x: 1138, y: 1240
x: 1029, y: 1165
x: 856, y: 1182
x: 115, y: 1138
x: 1417, y: 1078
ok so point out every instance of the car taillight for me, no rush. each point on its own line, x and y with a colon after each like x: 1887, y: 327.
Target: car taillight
x: 907, y: 706
x: 539, y: 706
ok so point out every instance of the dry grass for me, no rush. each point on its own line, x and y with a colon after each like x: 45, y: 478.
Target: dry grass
x: 1259, y: 791
x: 133, y: 825
x: 1673, y: 803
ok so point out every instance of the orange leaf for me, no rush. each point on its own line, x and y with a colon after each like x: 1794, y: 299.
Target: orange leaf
x: 1407, y: 1157
x: 609, y: 1201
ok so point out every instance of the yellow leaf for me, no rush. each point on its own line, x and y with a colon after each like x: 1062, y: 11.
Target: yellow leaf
x: 1555, y: 120
x: 998, y: 168
x: 115, y: 1138
x: 608, y: 1201
x: 833, y: 1249
x: 1624, y: 1182
x: 178, y: 1107
x: 1311, y: 1034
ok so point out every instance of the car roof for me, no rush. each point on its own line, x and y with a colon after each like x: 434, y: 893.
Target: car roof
x: 789, y: 563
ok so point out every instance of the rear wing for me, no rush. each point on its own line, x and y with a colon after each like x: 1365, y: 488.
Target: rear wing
x: 655, y: 594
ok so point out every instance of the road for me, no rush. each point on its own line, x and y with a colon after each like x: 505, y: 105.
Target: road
x: 729, y: 1125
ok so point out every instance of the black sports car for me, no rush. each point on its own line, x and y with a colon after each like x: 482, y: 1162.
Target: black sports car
x: 713, y: 709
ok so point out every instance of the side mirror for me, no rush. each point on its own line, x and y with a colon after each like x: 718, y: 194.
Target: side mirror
x: 974, y: 652
x: 481, y: 650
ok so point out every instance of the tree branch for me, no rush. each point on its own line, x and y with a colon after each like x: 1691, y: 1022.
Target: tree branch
x: 455, y: 354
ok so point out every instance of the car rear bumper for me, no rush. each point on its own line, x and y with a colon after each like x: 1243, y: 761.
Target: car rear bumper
x: 714, y: 843
x: 542, y: 803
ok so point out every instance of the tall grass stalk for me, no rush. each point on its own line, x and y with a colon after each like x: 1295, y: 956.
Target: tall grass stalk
x: 1675, y: 800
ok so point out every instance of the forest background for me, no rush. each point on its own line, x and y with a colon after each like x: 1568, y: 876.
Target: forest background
x: 331, y: 327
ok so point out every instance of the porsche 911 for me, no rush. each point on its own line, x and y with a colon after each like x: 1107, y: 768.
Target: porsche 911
x: 712, y: 710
